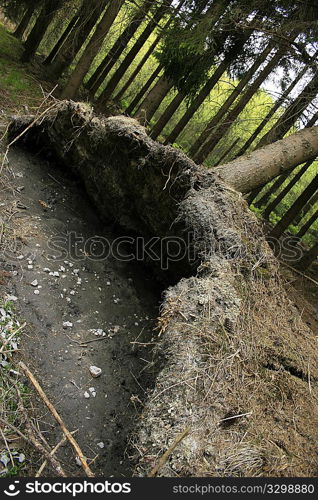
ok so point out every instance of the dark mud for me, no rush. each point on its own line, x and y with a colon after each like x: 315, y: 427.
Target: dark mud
x: 96, y: 310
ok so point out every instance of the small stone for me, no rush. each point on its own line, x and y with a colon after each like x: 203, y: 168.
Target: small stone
x: 72, y: 292
x: 67, y: 324
x: 46, y: 270
x: 30, y: 266
x: 20, y: 257
x: 108, y: 283
x: 36, y: 292
x: 101, y: 445
x: 35, y: 283
x: 86, y: 395
x: 62, y: 269
x: 95, y: 371
x: 56, y: 274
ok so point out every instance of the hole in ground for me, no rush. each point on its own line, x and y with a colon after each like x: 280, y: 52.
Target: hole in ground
x: 87, y: 311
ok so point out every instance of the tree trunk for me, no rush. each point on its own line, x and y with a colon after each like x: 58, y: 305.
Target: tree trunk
x: 205, y: 91
x: 59, y: 44
x: 228, y: 121
x: 74, y: 82
x: 303, y: 230
x: 40, y: 28
x: 272, y: 111
x: 289, y: 216
x: 153, y: 100
x: 263, y: 200
x: 167, y: 115
x: 256, y: 169
x: 308, y: 258
x: 24, y: 23
x: 89, y: 13
x: 119, y: 73
x: 285, y: 191
x: 307, y: 207
x: 143, y: 90
x: 116, y: 50
x: 146, y: 57
x: 194, y: 150
x: 279, y: 182
x: 228, y: 150
x: 292, y: 113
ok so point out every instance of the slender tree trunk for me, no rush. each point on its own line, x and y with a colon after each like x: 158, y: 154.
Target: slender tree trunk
x: 222, y: 129
x: 228, y: 150
x: 261, y: 202
x: 272, y: 111
x: 303, y: 230
x: 143, y: 90
x: 153, y: 100
x: 205, y: 91
x: 289, y: 216
x: 307, y: 207
x: 40, y: 28
x: 256, y: 169
x: 119, y: 73
x: 72, y: 86
x: 214, y: 12
x: 194, y: 150
x: 116, y: 50
x: 24, y: 23
x: 269, y: 209
x: 146, y: 57
x: 292, y: 113
x: 308, y: 258
x: 59, y: 44
x: 167, y: 115
x: 88, y: 14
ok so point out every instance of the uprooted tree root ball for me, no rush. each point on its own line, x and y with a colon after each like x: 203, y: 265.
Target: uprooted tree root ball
x: 239, y: 365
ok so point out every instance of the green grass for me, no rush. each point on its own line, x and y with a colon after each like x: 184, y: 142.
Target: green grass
x: 17, y: 88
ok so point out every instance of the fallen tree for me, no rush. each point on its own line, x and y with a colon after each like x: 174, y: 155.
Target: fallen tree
x: 238, y: 365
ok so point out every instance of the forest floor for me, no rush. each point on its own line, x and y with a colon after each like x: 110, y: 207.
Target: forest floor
x: 39, y: 203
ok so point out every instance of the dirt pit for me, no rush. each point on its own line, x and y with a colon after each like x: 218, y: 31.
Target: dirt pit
x: 84, y: 307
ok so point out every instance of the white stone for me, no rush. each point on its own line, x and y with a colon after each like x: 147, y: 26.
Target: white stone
x: 95, y: 371
x: 67, y: 324
x: 35, y: 283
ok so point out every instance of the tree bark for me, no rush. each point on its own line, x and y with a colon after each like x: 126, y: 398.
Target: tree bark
x: 117, y: 49
x: 24, y: 23
x: 119, y: 73
x: 256, y: 169
x: 143, y: 90
x: 59, y: 44
x: 74, y: 82
x: 153, y: 100
x: 40, y: 28
x: 303, y: 230
x: 289, y: 216
x: 279, y: 182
